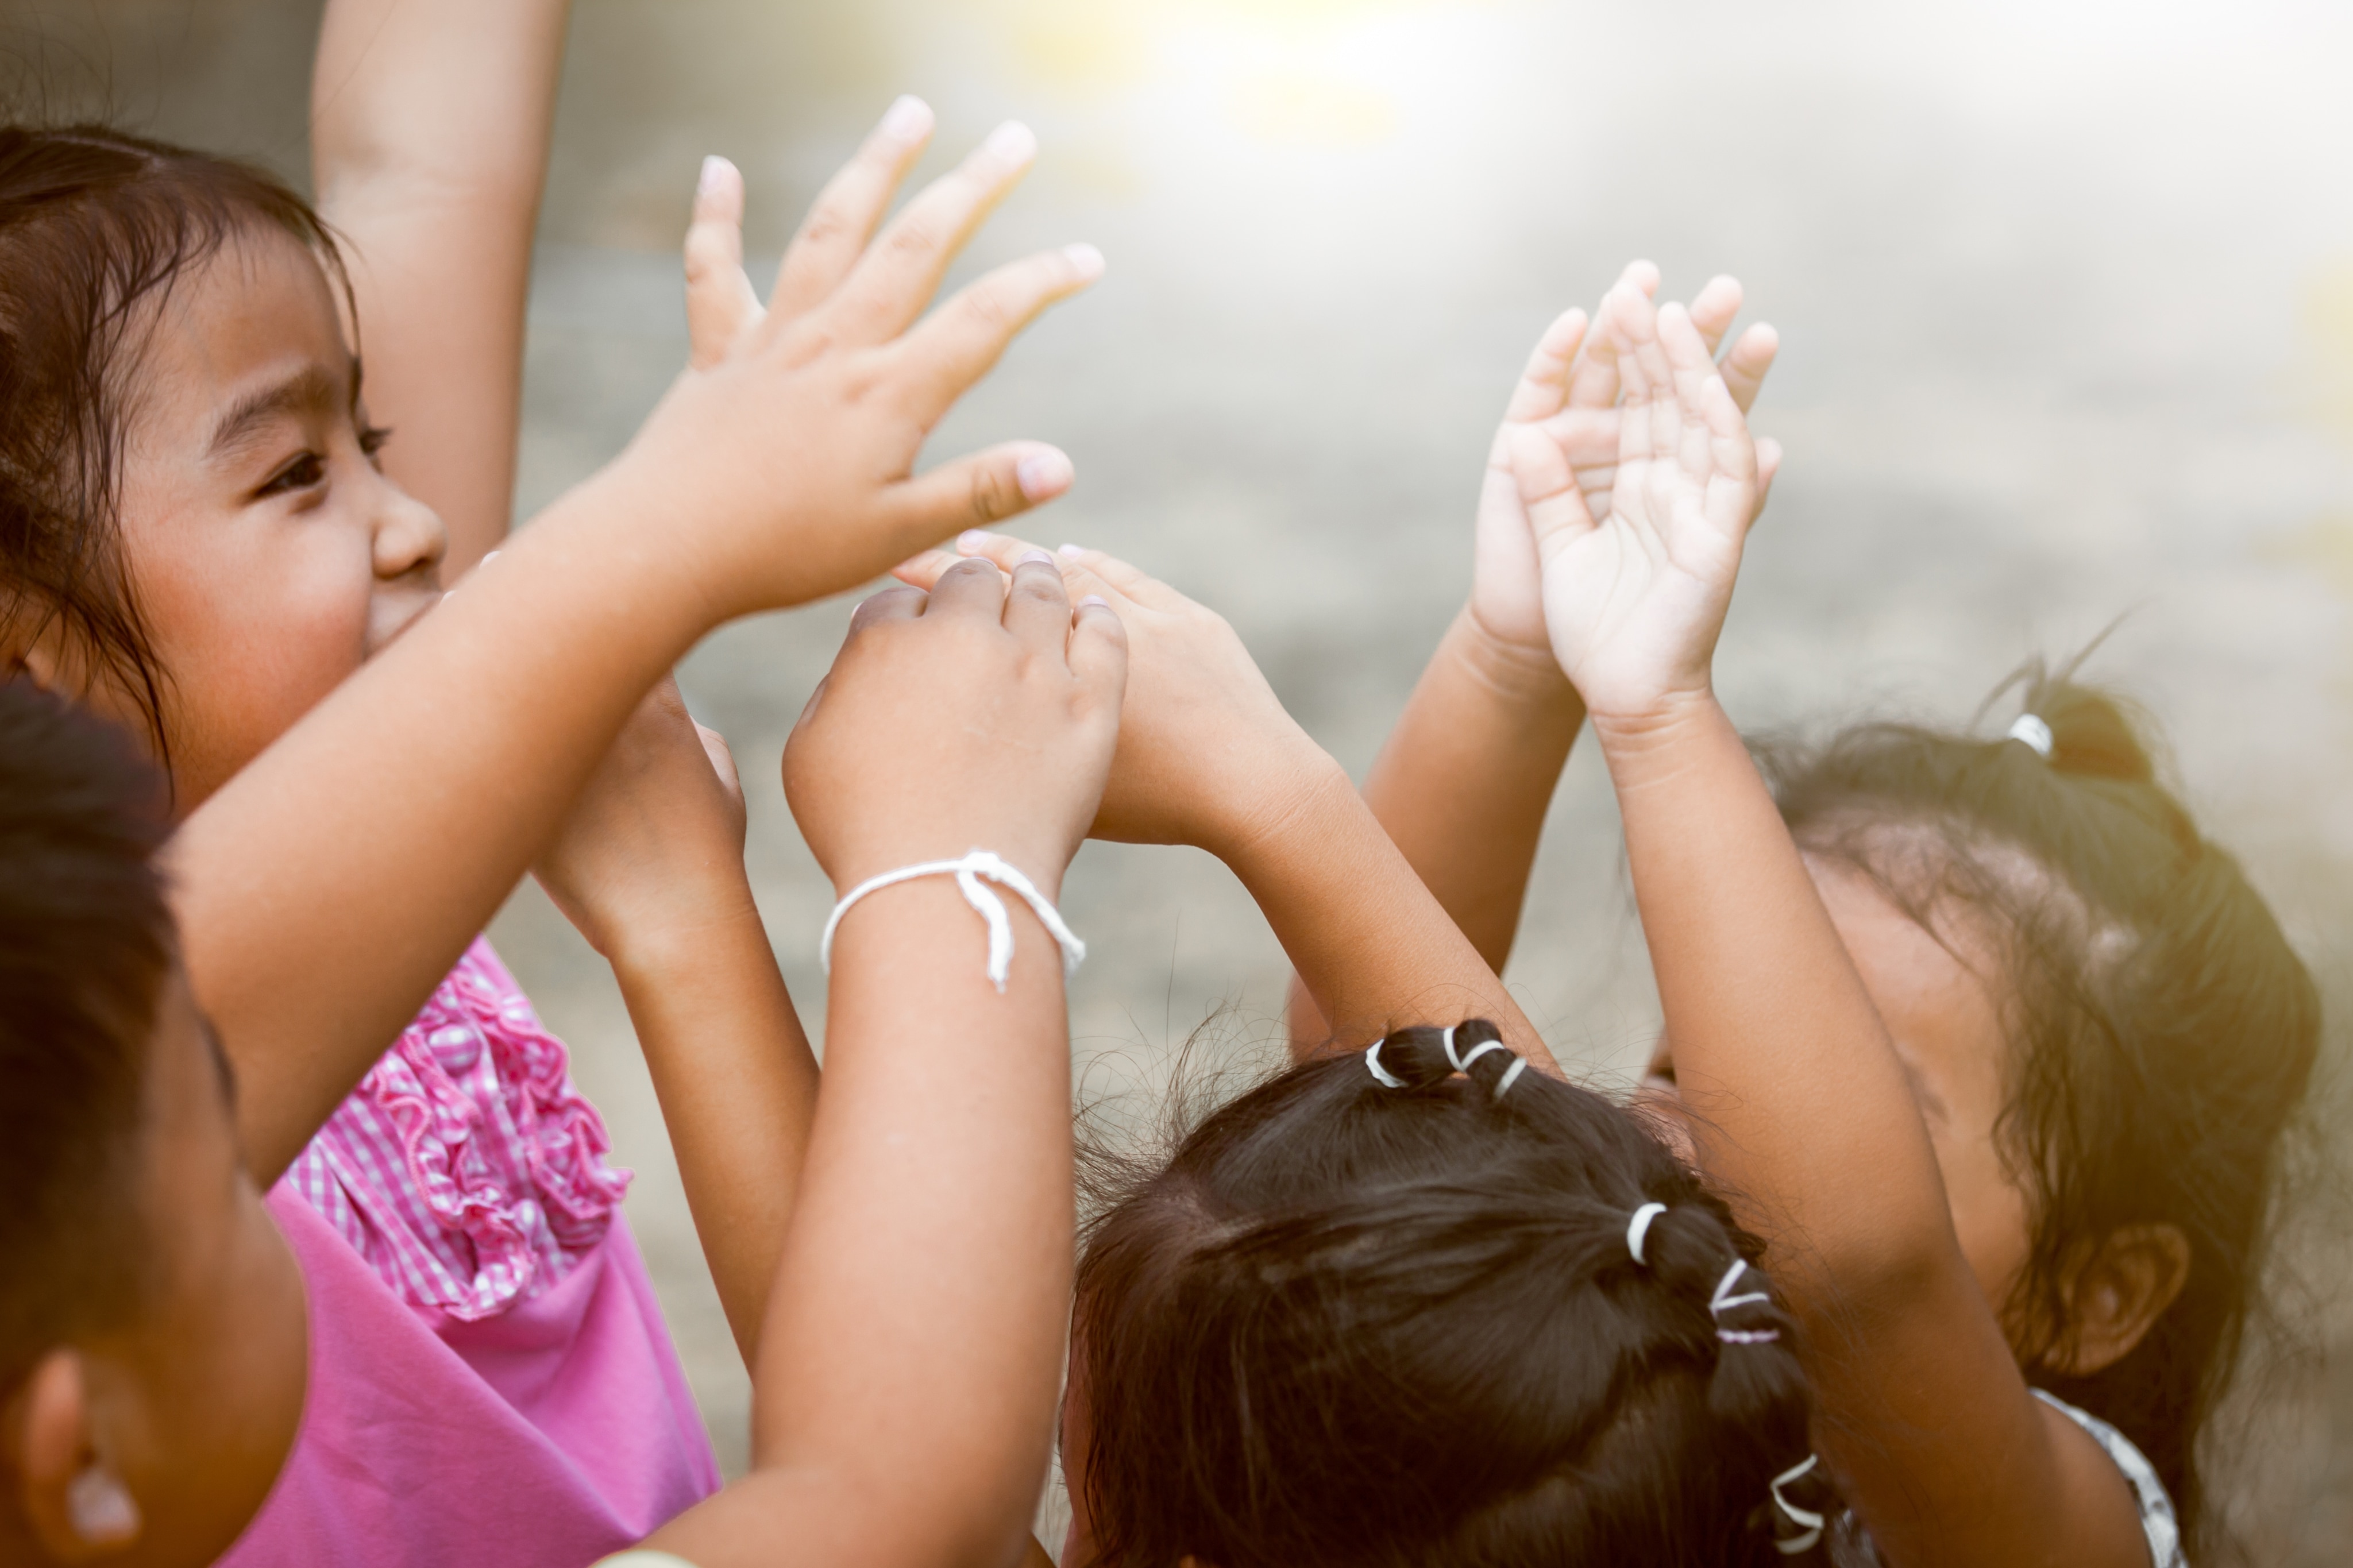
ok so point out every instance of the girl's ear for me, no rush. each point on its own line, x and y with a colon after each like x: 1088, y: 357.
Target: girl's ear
x: 72, y: 1503
x: 2118, y: 1291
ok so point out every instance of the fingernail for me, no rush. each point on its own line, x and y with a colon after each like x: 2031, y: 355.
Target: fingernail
x: 1013, y: 142
x: 1072, y: 552
x: 1044, y: 474
x: 1094, y: 602
x: 713, y: 170
x: 907, y: 119
x: 1035, y: 558
x: 1085, y: 259
x: 972, y: 540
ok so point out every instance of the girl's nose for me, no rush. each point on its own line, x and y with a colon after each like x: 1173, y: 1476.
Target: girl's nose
x: 410, y: 537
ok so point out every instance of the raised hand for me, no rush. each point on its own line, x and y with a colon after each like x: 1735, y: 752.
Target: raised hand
x: 1633, y: 601
x: 1207, y: 756
x: 978, y: 716
x: 785, y: 451
x: 656, y: 839
x: 1568, y: 392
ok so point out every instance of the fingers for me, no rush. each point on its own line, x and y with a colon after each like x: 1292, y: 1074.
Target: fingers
x: 893, y: 278
x: 1098, y: 652
x: 966, y: 337
x: 1594, y: 383
x: 972, y: 587
x: 1714, y: 308
x: 978, y: 491
x: 1548, y: 490
x: 1543, y: 388
x: 1037, y: 604
x: 1746, y: 366
x: 723, y: 761
x: 720, y: 302
x: 1128, y: 582
x: 847, y: 210
x: 890, y: 604
x: 1728, y: 465
x: 1768, y: 464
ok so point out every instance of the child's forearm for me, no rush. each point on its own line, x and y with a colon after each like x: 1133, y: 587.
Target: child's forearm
x: 1770, y: 1022
x: 1371, y: 946
x: 1463, y: 782
x: 310, y: 957
x: 732, y: 1068
x: 937, y: 1216
x: 430, y: 124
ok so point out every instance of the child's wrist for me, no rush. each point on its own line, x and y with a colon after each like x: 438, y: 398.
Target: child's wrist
x: 654, y: 928
x: 1519, y: 674
x: 1638, y: 743
x: 1307, y: 796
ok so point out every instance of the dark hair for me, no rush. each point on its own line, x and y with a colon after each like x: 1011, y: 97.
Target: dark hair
x: 2163, y: 1031
x: 1355, y: 1324
x: 85, y: 946
x: 93, y: 223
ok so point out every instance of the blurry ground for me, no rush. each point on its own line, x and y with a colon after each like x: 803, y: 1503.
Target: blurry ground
x: 2067, y: 296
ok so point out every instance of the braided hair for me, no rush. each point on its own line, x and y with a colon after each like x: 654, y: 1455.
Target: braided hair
x: 1419, y: 1306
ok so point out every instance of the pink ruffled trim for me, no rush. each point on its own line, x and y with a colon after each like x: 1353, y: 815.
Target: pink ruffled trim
x: 478, y: 1167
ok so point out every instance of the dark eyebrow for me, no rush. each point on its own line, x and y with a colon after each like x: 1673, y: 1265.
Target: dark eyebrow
x: 311, y: 390
x: 221, y: 1064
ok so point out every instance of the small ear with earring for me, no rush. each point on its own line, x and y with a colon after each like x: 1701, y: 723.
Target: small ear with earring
x: 103, y: 1511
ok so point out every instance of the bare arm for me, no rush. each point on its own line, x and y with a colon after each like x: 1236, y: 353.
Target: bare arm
x: 1465, y: 779
x: 1208, y: 757
x: 429, y: 128
x: 1940, y: 1447
x: 326, y: 889
x: 904, y: 1405
x: 649, y: 866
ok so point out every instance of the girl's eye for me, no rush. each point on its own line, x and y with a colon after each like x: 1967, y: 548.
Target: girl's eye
x: 301, y: 474
x: 372, y: 438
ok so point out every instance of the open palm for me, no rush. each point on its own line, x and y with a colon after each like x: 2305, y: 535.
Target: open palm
x: 1569, y: 394
x: 1633, y: 601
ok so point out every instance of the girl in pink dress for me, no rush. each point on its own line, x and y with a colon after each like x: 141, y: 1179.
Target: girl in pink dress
x: 206, y: 538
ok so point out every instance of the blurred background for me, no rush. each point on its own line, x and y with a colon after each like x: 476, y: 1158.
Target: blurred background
x: 2066, y: 292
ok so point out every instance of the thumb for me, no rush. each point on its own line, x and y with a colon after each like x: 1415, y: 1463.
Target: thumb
x: 1548, y: 490
x: 979, y: 490
x: 720, y: 302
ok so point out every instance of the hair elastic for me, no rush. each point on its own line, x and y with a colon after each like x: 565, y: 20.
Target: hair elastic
x: 1382, y: 1074
x: 968, y: 872
x: 2034, y: 731
x: 1639, y: 1227
x: 1511, y: 1076
x: 1724, y: 1301
x: 1805, y: 1517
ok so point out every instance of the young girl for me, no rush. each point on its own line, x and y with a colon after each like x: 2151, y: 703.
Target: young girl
x: 152, y: 1332
x: 204, y: 472
x: 2055, y: 1033
x: 1412, y: 1303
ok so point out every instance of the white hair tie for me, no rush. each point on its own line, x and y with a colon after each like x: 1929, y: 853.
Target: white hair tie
x: 2030, y: 729
x: 1723, y: 1301
x: 1805, y: 1517
x: 1511, y: 1076
x: 968, y: 872
x: 1381, y: 1075
x: 1639, y: 1227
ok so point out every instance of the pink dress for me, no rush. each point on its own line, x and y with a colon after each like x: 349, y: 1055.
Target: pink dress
x: 491, y: 1379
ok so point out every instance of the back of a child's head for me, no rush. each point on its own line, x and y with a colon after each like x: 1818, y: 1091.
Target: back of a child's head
x: 2162, y: 1031
x: 85, y: 947
x: 1363, y: 1324
x: 96, y: 227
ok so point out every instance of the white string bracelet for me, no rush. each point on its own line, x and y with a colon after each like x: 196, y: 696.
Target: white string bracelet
x: 968, y: 873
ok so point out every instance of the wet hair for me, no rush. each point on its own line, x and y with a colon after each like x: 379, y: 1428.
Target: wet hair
x: 1355, y: 1324
x: 85, y: 949
x: 94, y: 225
x: 2162, y: 1030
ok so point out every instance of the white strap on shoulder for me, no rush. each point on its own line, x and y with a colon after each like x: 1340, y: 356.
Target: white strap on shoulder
x: 968, y: 872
